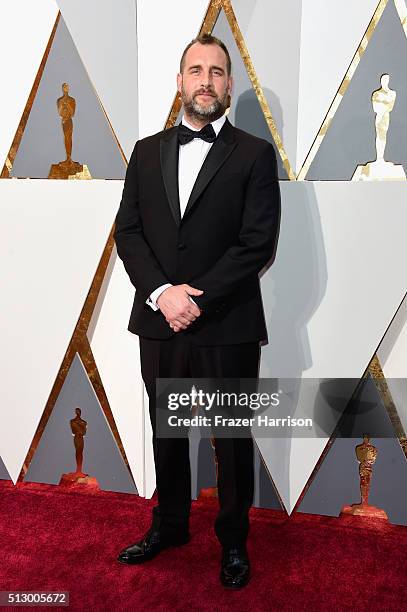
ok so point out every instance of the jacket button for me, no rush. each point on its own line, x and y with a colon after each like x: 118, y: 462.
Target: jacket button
x: 181, y: 246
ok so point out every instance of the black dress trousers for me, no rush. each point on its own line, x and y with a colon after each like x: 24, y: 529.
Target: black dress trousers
x: 179, y: 357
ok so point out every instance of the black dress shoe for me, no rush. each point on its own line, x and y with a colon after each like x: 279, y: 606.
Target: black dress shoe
x: 149, y: 547
x: 235, y: 567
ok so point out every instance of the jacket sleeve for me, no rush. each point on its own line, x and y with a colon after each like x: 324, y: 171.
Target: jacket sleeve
x: 141, y: 265
x: 257, y: 240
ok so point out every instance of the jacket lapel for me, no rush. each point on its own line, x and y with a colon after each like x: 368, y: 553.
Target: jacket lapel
x: 169, y: 169
x: 218, y: 154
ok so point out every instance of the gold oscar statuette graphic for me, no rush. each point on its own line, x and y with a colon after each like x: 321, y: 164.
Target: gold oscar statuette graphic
x: 78, y: 428
x: 383, y: 100
x: 366, y: 454
x: 68, y: 169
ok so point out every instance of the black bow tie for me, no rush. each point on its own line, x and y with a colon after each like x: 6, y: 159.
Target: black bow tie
x: 185, y: 135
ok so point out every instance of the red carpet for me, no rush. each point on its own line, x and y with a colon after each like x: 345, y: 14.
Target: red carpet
x: 56, y: 540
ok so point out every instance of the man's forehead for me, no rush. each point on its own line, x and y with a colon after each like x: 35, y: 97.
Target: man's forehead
x: 199, y: 53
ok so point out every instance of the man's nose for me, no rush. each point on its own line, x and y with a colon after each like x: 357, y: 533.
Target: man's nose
x: 206, y: 79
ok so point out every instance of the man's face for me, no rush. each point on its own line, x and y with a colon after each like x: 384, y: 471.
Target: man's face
x: 204, y: 83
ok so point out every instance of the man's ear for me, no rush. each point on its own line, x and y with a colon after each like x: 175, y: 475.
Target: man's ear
x: 179, y: 82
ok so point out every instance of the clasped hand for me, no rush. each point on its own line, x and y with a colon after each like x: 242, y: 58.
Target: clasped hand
x: 179, y: 311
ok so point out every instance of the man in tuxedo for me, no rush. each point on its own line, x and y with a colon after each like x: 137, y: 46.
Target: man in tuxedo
x: 199, y: 218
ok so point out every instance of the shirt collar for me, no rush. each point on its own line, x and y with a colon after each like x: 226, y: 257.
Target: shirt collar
x: 217, y: 124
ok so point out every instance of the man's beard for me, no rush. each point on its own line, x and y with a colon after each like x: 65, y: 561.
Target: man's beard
x: 198, y: 111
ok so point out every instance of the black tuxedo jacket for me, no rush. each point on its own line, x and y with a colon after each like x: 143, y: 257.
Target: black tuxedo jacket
x: 228, y: 233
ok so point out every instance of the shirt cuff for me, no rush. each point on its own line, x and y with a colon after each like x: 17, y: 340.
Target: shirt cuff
x: 152, y: 300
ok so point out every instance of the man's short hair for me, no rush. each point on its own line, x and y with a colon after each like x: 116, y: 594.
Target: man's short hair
x: 207, y: 39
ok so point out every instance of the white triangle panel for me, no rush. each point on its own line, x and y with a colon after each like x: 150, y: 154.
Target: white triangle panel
x: 338, y: 278
x: 54, y: 233
x: 117, y: 356
x: 392, y: 354
x: 393, y: 348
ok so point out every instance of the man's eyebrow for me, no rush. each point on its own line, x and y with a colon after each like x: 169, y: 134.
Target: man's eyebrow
x: 200, y: 66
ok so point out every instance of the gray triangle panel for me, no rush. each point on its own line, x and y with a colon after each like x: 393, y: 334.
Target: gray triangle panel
x: 4, y: 475
x: 93, y: 142
x: 55, y: 454
x: 337, y: 481
x: 350, y: 138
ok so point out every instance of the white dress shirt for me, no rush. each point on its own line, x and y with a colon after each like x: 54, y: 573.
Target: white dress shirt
x: 191, y: 157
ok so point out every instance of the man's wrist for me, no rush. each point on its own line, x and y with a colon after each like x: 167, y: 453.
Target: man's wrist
x: 158, y: 293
